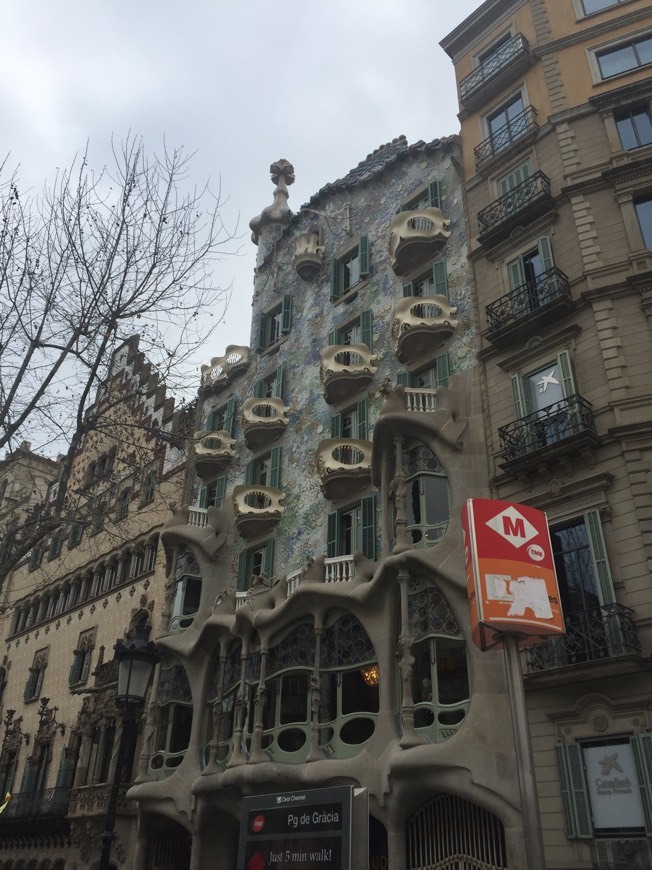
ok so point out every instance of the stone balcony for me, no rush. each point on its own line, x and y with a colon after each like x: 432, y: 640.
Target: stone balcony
x: 421, y: 325
x: 223, y: 369
x: 345, y: 370
x: 344, y: 467
x: 415, y: 237
x: 213, y: 452
x: 258, y: 509
x: 263, y: 421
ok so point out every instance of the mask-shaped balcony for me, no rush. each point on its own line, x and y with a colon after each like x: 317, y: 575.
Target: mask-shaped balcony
x: 345, y: 370
x: 257, y: 509
x: 421, y: 325
x: 528, y: 307
x: 550, y: 435
x: 495, y: 72
x: 344, y: 467
x: 213, y: 452
x: 523, y: 204
x: 309, y: 255
x: 263, y: 421
x: 223, y: 369
x: 415, y: 237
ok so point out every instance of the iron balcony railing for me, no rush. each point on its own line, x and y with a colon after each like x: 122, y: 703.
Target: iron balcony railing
x: 550, y: 285
x: 500, y: 140
x: 49, y: 803
x: 533, y: 188
x: 598, y: 633
x: 498, y: 62
x: 562, y: 420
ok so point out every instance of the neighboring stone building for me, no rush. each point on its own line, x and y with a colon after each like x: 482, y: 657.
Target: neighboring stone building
x: 557, y: 143
x: 320, y: 632
x: 63, y: 609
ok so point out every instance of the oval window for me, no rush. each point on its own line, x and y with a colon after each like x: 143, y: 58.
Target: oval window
x: 291, y: 739
x: 357, y: 730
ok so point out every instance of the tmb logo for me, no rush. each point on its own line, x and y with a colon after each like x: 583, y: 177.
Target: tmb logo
x: 513, y: 527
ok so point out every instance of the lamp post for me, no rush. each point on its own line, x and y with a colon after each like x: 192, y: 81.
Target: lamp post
x: 137, y: 659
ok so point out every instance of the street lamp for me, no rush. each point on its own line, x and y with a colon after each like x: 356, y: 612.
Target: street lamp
x: 137, y: 659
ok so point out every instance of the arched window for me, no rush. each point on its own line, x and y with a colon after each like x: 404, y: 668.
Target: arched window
x: 440, y: 680
x: 426, y: 501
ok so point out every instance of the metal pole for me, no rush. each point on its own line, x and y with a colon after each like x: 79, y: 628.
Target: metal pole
x: 524, y: 760
x: 127, y: 732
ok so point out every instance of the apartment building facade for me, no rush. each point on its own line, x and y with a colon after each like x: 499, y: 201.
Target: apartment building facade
x: 556, y: 136
x: 320, y: 632
x: 63, y: 608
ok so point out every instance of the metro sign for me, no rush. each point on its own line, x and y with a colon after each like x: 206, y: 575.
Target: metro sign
x: 513, y: 526
x: 510, y: 573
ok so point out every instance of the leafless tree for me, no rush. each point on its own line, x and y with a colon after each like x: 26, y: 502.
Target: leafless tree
x: 94, y: 259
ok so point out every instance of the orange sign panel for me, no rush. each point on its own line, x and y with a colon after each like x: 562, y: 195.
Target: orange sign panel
x: 510, y: 572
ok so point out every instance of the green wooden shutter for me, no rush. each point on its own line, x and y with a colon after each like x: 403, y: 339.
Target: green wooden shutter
x: 249, y: 473
x: 29, y: 777
x: 336, y: 426
x: 520, y: 399
x: 229, y: 416
x: 545, y: 252
x: 66, y: 769
x: 567, y: 384
x: 279, y: 378
x: 332, y: 544
x: 440, y: 278
x: 441, y: 370
x: 203, y: 497
x: 408, y: 289
x: 366, y: 329
x: 243, y: 562
x: 275, y: 467
x: 336, y: 278
x: 286, y: 315
x: 434, y: 194
x: 75, y: 669
x: 363, y: 255
x: 577, y: 809
x: 362, y: 419
x: 368, y: 509
x: 332, y: 338
x: 403, y: 379
x: 86, y: 665
x: 515, y: 274
x: 268, y: 559
x: 260, y: 389
x: 642, y: 747
x: 220, y: 489
x: 262, y: 332
x: 599, y: 557
x: 210, y: 422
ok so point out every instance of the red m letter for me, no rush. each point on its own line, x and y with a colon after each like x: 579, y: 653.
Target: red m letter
x: 515, y: 526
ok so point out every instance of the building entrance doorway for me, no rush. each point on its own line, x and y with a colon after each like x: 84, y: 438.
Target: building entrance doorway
x: 449, y: 833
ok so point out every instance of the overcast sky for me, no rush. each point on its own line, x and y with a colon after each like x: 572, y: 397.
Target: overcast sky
x: 240, y: 82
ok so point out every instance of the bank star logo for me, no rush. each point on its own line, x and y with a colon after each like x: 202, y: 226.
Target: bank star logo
x: 513, y: 527
x: 609, y: 763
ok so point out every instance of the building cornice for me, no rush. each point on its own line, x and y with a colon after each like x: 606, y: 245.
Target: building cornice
x: 483, y: 20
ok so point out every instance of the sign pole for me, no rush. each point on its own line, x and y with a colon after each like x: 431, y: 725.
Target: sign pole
x: 524, y: 760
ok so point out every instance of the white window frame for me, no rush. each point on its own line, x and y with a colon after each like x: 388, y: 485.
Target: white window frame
x: 620, y: 42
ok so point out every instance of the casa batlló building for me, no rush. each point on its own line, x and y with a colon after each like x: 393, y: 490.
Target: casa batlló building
x: 319, y: 629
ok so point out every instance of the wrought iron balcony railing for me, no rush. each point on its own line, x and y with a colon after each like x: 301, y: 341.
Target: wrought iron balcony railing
x: 552, y: 425
x: 495, y: 66
x: 526, y: 298
x: 534, y: 189
x: 500, y: 140
x: 598, y: 633
x: 49, y: 803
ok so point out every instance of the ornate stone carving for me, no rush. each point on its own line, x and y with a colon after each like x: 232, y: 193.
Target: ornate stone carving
x: 415, y: 237
x: 213, y: 451
x: 257, y: 509
x: 278, y: 212
x: 263, y: 421
x: 343, y: 465
x: 346, y: 369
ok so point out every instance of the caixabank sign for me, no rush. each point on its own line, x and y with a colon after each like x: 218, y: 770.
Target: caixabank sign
x: 510, y: 572
x: 297, y: 830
